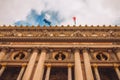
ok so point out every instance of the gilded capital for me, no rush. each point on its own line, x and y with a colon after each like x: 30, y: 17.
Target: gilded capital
x: 4, y: 64
x: 76, y: 49
x: 85, y: 50
x: 95, y: 65
x: 48, y: 65
x: 70, y: 65
x: 4, y: 49
x: 43, y: 50
x: 36, y: 49
x: 116, y: 65
x: 24, y: 64
x: 117, y: 50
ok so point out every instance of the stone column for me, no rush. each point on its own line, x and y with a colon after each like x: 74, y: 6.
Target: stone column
x: 116, y: 67
x: 69, y: 72
x: 48, y: 72
x: 118, y: 54
x: 88, y: 70
x: 30, y: 65
x: 95, y: 67
x: 2, y: 53
x: 78, y: 68
x: 21, y: 72
x: 2, y: 69
x: 38, y: 75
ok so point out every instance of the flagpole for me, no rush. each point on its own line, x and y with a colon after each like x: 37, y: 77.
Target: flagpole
x: 74, y: 19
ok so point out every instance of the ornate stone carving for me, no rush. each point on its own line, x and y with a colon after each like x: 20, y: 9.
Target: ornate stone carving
x: 101, y: 56
x: 59, y: 55
x: 61, y: 33
x: 77, y: 34
x: 45, y: 33
x: 19, y: 55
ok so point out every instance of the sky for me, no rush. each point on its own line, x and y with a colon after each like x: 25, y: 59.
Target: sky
x: 59, y: 12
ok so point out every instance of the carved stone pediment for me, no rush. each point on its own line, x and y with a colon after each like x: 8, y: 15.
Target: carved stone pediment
x: 45, y: 33
x: 77, y: 34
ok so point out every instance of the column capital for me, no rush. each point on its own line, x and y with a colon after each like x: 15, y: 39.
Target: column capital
x: 116, y: 65
x: 85, y: 50
x: 4, y: 49
x: 76, y: 49
x: 70, y: 65
x: 12, y: 49
x: 4, y: 64
x: 116, y: 49
x: 24, y: 64
x: 95, y: 65
x: 29, y: 50
x: 35, y: 49
x: 43, y: 49
x: 48, y: 65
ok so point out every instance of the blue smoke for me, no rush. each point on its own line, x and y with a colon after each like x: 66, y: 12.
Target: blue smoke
x: 33, y: 18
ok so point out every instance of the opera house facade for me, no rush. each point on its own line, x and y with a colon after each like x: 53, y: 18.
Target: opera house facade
x: 60, y: 52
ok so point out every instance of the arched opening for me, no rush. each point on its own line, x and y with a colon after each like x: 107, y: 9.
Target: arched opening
x: 101, y: 56
x: 60, y: 56
x: 19, y: 56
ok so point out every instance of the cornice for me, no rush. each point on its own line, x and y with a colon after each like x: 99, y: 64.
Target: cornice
x: 58, y: 27
x: 60, y: 33
x: 58, y: 39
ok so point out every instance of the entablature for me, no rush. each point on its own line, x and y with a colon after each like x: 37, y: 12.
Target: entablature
x: 60, y: 34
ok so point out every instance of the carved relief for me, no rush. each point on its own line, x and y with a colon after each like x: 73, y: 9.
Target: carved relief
x: 61, y: 34
x: 77, y: 34
x: 45, y: 33
x: 1, y: 34
x: 101, y: 56
x: 93, y: 34
x: 57, y: 33
x: 19, y: 55
x: 59, y: 55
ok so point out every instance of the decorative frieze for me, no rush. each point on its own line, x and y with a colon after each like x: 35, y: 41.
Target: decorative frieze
x: 59, y: 32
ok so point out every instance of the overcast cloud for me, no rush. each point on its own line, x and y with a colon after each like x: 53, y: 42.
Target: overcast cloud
x: 91, y: 12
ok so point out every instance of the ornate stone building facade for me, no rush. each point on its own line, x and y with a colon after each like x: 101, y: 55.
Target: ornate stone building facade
x: 60, y: 53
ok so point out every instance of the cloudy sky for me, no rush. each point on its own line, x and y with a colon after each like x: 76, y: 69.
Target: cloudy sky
x: 59, y: 12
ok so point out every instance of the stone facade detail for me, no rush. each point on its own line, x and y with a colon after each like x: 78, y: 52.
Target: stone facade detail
x: 60, y: 53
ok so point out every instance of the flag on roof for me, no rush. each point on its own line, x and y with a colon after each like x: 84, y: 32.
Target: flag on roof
x: 74, y: 19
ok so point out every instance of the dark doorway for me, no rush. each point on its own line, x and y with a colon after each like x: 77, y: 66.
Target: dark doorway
x: 73, y: 76
x: 58, y: 73
x: 107, y: 73
x: 10, y: 73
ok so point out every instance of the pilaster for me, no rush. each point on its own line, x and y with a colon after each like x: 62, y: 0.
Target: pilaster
x: 21, y: 72
x: 38, y: 75
x: 78, y: 67
x: 2, y: 68
x: 69, y: 71
x: 95, y: 67
x: 87, y: 64
x: 116, y: 67
x: 48, y: 71
x: 30, y: 65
